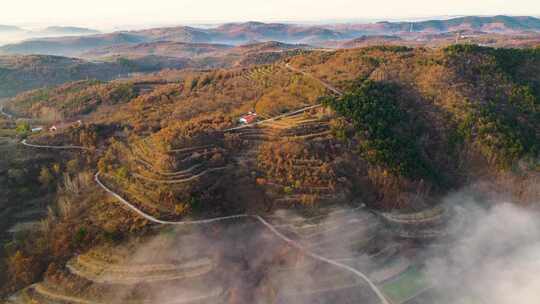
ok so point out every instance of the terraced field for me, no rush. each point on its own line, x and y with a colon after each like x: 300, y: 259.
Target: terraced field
x: 143, y: 168
x: 305, y: 127
x: 102, y: 272
x: 426, y: 224
x: 338, y: 235
x: 261, y: 75
x: 366, y: 242
x: 199, y: 265
x: 51, y: 294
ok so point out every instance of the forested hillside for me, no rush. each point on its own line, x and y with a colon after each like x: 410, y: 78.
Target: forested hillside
x: 395, y: 128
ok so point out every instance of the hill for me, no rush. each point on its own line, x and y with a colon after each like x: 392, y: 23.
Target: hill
x: 257, y: 31
x: 391, y: 127
x: 160, y: 48
x: 269, y: 46
x: 200, y: 55
x: 365, y: 41
x: 486, y: 24
x: 70, y: 46
x: 440, y: 103
x: 501, y: 24
x: 177, y: 34
x: 190, y: 50
x: 21, y: 73
x: 17, y: 35
x: 72, y: 99
x: 242, y: 33
x: 66, y: 31
x: 10, y: 29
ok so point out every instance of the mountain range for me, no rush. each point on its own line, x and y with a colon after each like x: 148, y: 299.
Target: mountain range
x: 15, y: 34
x: 10, y: 29
x: 248, y: 32
x: 66, y: 30
x: 469, y: 23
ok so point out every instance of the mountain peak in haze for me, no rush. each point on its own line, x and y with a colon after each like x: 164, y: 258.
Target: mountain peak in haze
x: 68, y: 30
x: 10, y: 28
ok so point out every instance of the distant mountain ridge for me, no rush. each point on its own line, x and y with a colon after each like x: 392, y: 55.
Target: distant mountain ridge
x: 508, y: 24
x: 69, y: 46
x: 247, y: 32
x: 21, y: 73
x: 487, y: 24
x: 68, y: 30
x: 189, y: 50
x: 232, y: 34
x: 10, y: 28
x: 159, y: 48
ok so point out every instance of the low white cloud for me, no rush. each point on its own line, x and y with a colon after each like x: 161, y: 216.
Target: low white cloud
x: 496, y: 257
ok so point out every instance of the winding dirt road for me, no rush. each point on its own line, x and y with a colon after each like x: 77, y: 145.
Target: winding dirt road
x: 9, y: 116
x: 53, y: 147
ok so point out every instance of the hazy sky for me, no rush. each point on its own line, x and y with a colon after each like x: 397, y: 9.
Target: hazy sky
x: 139, y: 12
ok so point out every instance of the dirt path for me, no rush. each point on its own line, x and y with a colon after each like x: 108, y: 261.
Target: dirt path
x: 53, y: 147
x: 9, y: 116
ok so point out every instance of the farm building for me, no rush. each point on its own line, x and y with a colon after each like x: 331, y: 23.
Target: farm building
x: 250, y: 117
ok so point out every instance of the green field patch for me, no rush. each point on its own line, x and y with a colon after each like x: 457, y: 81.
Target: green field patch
x: 407, y: 285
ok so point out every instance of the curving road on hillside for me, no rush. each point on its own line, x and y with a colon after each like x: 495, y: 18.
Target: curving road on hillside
x: 158, y: 221
x: 305, y: 109
x: 274, y: 118
x: 54, y: 147
x: 9, y: 116
x: 261, y: 220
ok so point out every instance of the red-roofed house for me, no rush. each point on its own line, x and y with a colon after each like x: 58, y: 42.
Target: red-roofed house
x: 248, y: 118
